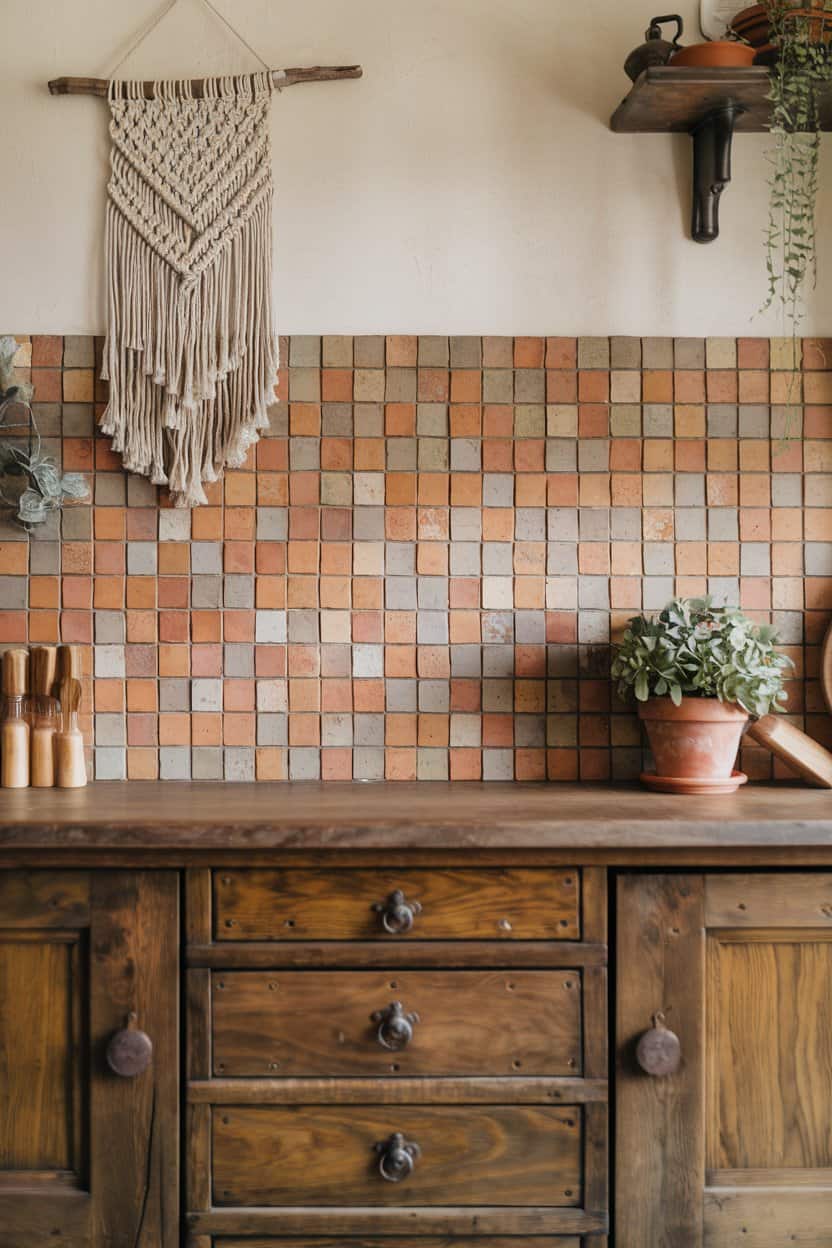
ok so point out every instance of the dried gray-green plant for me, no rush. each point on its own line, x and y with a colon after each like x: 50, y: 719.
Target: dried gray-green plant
x: 30, y: 481
x: 694, y: 649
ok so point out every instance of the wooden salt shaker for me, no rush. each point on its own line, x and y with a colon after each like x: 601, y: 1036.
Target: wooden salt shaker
x: 14, y: 734
x: 43, y: 663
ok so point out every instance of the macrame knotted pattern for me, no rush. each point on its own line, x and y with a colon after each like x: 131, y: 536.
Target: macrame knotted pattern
x: 191, y: 353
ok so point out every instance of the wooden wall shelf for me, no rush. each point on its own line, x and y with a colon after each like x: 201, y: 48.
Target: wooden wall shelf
x: 710, y: 105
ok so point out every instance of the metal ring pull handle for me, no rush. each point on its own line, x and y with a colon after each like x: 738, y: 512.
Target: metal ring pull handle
x: 659, y: 1050
x: 130, y: 1051
x: 397, y: 914
x: 395, y: 1029
x: 397, y: 1158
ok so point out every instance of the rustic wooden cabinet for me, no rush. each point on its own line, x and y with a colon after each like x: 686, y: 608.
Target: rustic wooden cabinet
x: 394, y: 1031
x: 736, y: 1146
x: 88, y: 1157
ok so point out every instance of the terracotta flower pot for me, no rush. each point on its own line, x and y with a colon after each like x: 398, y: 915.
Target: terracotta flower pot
x: 718, y: 53
x: 694, y: 745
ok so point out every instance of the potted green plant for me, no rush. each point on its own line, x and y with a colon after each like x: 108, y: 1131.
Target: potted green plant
x: 801, y: 69
x: 698, y: 672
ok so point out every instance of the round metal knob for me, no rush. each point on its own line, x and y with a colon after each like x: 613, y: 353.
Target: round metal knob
x: 659, y: 1051
x: 130, y: 1051
x: 397, y: 1157
x: 395, y: 1027
x: 397, y: 914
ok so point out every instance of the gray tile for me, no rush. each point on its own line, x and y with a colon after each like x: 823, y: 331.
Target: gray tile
x: 141, y: 559
x: 304, y: 351
x: 723, y: 524
x: 238, y: 763
x: 530, y: 385
x: 400, y: 696
x: 755, y: 559
x: 431, y: 764
x: 433, y: 351
x: 369, y: 351
x: 434, y: 696
x: 498, y: 386
x: 206, y: 558
x: 753, y: 420
x: 141, y: 492
x: 76, y: 524
x: 786, y: 489
x: 174, y: 762
x: 110, y: 763
x: 432, y: 420
x: 530, y: 524
x: 432, y: 628
x: 77, y: 420
x: 690, y: 489
x: 302, y: 625
x: 304, y: 762
x: 368, y: 729
x: 818, y: 558
x: 79, y: 351
x: 562, y: 524
x: 238, y: 591
x: 625, y: 524
x: 625, y: 352
x: 689, y: 353
x: 206, y: 592
x: 174, y: 693
x: 722, y: 420
x: 593, y: 353
x: 657, y: 353
x: 594, y: 524
x: 238, y: 659
x: 272, y: 729
x: 466, y: 352
x: 368, y: 763
x: 658, y: 420
x: 109, y: 626
x: 206, y: 694
x: 206, y: 762
x: 337, y: 351
x: 110, y: 729
x: 13, y: 591
x: 497, y: 764
x: 111, y: 490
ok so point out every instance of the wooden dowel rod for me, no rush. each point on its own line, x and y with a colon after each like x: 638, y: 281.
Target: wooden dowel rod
x: 280, y: 78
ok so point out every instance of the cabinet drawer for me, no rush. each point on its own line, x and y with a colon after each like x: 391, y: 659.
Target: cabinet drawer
x: 332, y: 1155
x: 488, y: 903
x: 309, y: 1023
x: 433, y: 1241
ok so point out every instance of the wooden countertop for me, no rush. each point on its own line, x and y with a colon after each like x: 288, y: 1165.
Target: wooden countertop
x: 178, y: 821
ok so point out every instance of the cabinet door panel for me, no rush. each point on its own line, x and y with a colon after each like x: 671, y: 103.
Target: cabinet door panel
x: 737, y: 1144
x: 40, y: 1053
x: 87, y: 1159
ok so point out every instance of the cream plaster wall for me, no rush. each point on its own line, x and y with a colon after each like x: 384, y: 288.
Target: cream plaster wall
x: 469, y: 183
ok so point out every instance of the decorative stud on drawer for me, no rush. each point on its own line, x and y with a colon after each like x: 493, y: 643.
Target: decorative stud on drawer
x: 395, y: 1027
x: 397, y: 1157
x: 397, y: 913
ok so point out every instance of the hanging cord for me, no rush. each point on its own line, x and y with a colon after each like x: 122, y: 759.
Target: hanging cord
x: 160, y: 18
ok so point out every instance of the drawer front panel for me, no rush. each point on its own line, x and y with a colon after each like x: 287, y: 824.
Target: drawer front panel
x: 328, y: 1155
x: 308, y: 1023
x: 432, y: 1241
x: 489, y: 903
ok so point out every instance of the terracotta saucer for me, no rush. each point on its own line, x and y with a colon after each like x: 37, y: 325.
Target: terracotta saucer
x: 693, y: 784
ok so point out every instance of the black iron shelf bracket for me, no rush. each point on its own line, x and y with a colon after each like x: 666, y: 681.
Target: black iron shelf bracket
x: 712, y: 139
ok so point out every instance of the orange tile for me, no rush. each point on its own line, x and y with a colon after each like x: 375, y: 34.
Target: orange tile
x: 529, y: 352
x: 14, y: 558
x: 400, y: 764
x: 401, y: 350
x: 657, y: 386
x: 43, y: 591
x: 466, y: 385
x: 399, y: 420
x: 304, y: 421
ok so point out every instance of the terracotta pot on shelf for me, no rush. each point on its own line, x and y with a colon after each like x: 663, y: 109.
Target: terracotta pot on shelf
x: 716, y: 54
x: 694, y: 745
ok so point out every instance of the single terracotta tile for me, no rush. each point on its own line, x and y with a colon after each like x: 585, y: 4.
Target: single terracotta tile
x: 336, y: 385
x: 336, y: 763
x: 109, y: 695
x: 595, y: 489
x: 466, y: 385
x: 400, y: 420
x: 142, y: 524
x: 753, y: 386
x: 47, y: 385
x: 142, y: 764
x: 141, y: 627
x: 721, y: 489
x: 530, y: 764
x: 109, y: 558
x: 432, y: 559
x: 272, y: 456
x: 722, y: 455
x: 689, y: 386
x: 174, y: 592
x: 753, y: 352
x: 497, y: 524
x: 562, y: 489
x: 561, y: 352
x: 78, y: 385
x: 497, y: 455
x: 721, y: 386
x: 561, y: 386
x: 76, y: 626
x: 433, y: 385
x: 497, y: 421
x: 529, y: 352
x: 593, y: 386
x: 657, y: 386
x: 47, y: 350
x: 723, y: 558
x: 465, y: 763
x: 76, y: 592
x: 240, y: 488
x: 401, y: 350
x: 400, y: 764
x: 142, y: 695
x: 174, y: 728
x: 106, y: 459
x: 658, y: 455
x: 368, y: 696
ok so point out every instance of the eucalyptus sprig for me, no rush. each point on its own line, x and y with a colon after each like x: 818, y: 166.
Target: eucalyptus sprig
x: 693, y: 649
x: 802, y: 69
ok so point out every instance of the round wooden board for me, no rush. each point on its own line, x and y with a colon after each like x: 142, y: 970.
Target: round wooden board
x: 826, y: 669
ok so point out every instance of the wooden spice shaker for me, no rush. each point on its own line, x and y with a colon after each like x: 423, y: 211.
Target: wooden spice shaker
x: 71, y: 771
x: 14, y: 733
x: 43, y: 668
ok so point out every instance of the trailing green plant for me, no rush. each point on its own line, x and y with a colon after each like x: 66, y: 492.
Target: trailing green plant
x: 803, y: 68
x: 37, y: 484
x: 694, y: 649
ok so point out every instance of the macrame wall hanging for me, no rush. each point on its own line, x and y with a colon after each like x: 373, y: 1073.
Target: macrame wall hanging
x: 191, y: 350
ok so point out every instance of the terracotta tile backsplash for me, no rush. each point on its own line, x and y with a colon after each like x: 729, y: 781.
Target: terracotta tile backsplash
x: 417, y: 574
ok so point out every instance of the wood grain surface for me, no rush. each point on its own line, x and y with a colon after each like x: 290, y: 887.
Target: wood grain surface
x: 511, y: 903
x: 325, y: 1155
x: 660, y: 1136
x: 469, y: 1023
x: 179, y: 822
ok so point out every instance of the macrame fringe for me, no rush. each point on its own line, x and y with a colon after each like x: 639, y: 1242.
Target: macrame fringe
x: 191, y: 354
